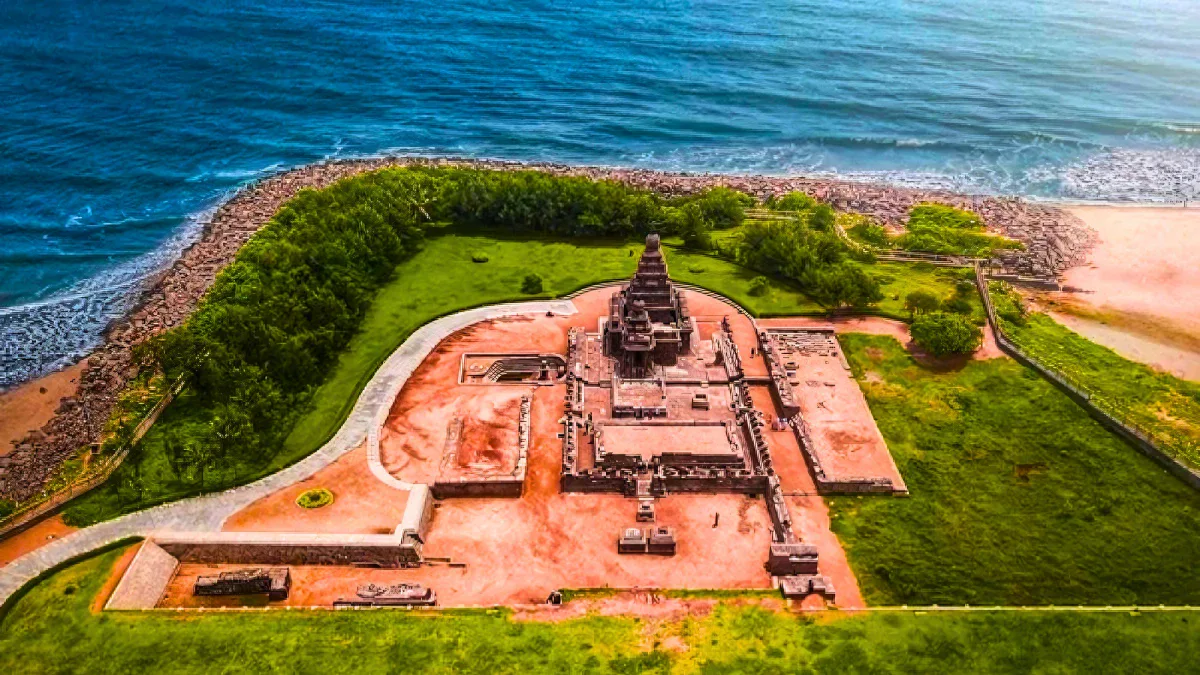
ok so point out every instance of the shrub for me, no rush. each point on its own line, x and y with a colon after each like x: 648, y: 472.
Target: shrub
x: 937, y: 228
x: 7, y: 506
x: 720, y: 207
x: 793, y: 201
x: 690, y: 223
x: 479, y: 257
x: 759, y: 286
x: 814, y: 258
x: 958, y: 305
x: 870, y: 233
x: 531, y: 284
x: 944, y: 334
x: 315, y: 498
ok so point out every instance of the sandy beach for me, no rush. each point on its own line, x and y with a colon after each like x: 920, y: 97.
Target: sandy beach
x: 26, y: 408
x: 1141, y: 283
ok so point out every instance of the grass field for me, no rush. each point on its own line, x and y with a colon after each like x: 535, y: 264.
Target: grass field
x: 1017, y: 496
x: 1164, y: 406
x: 440, y: 280
x: 53, y: 629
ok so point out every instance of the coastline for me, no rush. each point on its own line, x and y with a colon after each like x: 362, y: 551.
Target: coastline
x: 1138, y: 291
x: 1056, y: 239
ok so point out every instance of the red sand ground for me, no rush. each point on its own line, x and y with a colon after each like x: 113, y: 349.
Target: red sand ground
x: 518, y: 550
x: 34, y: 538
x: 845, y: 436
x: 650, y: 441
x: 362, y: 504
x: 118, y: 570
x: 810, y: 514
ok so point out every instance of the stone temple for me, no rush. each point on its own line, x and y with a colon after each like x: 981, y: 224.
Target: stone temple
x: 648, y: 321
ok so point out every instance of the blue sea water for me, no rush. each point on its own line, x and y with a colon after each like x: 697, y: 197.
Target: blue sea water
x: 121, y: 123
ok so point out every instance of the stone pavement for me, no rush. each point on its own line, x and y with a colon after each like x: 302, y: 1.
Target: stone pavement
x: 208, y: 512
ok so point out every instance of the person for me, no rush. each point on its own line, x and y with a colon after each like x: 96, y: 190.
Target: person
x: 716, y: 518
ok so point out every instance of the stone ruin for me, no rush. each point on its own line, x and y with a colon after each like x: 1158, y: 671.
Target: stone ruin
x: 396, y: 595
x: 779, y: 346
x: 274, y: 582
x: 651, y: 411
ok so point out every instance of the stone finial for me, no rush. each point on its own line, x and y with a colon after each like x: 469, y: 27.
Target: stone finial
x: 652, y: 242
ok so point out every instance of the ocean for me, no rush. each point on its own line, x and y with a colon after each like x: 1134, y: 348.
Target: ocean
x: 122, y: 124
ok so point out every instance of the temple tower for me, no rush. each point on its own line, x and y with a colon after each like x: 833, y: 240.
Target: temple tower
x: 648, y: 322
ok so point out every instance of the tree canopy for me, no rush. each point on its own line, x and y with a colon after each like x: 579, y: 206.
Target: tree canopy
x: 943, y: 334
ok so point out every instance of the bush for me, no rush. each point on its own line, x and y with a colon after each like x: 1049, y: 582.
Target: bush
x: 937, y: 228
x: 958, y: 305
x: 315, y: 498
x: 531, y: 284
x: 806, y: 250
x: 720, y: 207
x: 870, y: 233
x: 479, y: 257
x: 793, y: 201
x: 690, y: 223
x: 944, y: 334
x: 7, y: 506
x: 759, y: 286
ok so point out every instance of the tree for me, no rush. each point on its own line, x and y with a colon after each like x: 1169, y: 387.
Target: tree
x: 689, y: 222
x: 759, y: 286
x: 944, y: 334
x: 721, y: 207
x: 920, y: 302
x: 531, y: 284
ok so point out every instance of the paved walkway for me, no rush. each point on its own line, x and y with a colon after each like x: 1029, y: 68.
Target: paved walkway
x: 208, y: 512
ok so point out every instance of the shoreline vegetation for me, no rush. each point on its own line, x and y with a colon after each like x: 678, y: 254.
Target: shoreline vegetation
x: 168, y: 302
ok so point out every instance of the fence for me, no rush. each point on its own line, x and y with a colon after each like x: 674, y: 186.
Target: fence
x: 30, y: 512
x: 1133, y: 433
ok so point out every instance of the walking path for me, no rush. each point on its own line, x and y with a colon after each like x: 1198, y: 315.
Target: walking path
x: 208, y: 512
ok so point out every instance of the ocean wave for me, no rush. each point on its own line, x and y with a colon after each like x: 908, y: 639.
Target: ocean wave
x: 42, y: 336
x: 1180, y: 128
x: 1169, y: 175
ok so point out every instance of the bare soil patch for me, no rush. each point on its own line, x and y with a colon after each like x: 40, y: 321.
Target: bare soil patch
x: 362, y: 503
x: 33, y: 538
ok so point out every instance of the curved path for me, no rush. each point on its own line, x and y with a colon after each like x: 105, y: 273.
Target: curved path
x: 208, y: 512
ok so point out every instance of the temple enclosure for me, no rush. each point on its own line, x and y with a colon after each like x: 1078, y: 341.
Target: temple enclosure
x: 656, y: 437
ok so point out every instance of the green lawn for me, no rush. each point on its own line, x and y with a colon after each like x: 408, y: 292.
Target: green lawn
x: 1018, y: 497
x: 1164, y: 406
x: 440, y: 280
x: 52, y: 629
x: 900, y: 279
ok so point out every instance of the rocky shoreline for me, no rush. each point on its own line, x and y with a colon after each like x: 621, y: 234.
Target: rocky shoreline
x: 1055, y: 241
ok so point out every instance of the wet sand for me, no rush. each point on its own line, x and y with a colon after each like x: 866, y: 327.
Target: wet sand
x: 29, y: 406
x: 1142, y: 284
